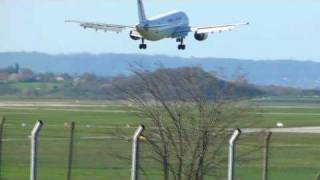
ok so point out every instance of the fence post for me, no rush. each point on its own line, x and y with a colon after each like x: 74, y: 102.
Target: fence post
x: 266, y: 156
x: 135, y: 152
x: 1, y: 143
x: 231, y: 163
x: 71, y: 144
x: 34, y: 149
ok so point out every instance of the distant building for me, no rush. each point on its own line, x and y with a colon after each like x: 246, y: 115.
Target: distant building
x: 59, y: 78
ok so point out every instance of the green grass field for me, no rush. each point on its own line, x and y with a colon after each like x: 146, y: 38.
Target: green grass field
x: 99, y: 157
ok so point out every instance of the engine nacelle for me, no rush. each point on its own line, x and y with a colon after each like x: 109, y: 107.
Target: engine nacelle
x: 200, y: 36
x: 133, y: 37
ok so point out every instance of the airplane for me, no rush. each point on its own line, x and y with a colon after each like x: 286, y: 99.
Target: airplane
x: 174, y: 25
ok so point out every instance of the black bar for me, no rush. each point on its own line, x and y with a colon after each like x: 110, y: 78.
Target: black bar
x: 71, y: 144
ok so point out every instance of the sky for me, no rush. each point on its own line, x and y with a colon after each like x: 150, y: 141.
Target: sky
x: 279, y: 29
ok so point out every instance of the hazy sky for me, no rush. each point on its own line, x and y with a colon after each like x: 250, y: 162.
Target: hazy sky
x: 280, y: 29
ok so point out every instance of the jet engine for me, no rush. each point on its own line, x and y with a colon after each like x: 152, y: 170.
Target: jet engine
x: 133, y: 37
x: 200, y: 36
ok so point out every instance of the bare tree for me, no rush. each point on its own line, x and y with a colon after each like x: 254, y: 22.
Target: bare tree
x: 188, y: 112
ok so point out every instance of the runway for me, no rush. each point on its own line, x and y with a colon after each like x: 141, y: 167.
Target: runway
x: 303, y: 130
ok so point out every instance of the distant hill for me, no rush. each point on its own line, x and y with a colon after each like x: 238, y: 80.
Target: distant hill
x: 184, y: 83
x: 300, y: 74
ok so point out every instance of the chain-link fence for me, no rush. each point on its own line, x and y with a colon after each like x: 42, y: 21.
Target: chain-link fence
x: 278, y: 156
x: 257, y: 156
x: 83, y: 152
x: 88, y: 152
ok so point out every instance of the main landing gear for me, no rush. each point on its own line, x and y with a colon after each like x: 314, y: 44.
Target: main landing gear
x: 181, y: 46
x: 143, y: 45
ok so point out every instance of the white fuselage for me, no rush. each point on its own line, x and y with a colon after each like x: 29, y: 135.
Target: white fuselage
x: 170, y: 25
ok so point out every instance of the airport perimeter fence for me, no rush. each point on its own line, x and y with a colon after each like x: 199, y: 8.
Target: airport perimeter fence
x: 287, y: 154
x: 88, y: 152
x: 277, y: 154
x: 85, y: 152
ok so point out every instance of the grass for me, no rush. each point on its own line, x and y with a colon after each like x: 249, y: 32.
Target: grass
x: 292, y: 156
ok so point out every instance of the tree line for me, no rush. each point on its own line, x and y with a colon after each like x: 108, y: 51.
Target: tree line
x: 19, y: 81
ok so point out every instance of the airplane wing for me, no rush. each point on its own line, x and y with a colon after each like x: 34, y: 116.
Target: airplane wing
x: 216, y: 28
x: 104, y: 27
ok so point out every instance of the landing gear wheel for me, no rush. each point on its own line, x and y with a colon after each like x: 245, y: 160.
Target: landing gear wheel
x: 181, y: 47
x: 142, y: 46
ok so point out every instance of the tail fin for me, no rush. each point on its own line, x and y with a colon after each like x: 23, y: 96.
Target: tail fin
x: 141, y: 12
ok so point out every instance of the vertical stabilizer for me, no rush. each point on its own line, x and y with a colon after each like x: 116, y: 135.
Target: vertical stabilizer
x: 141, y: 12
